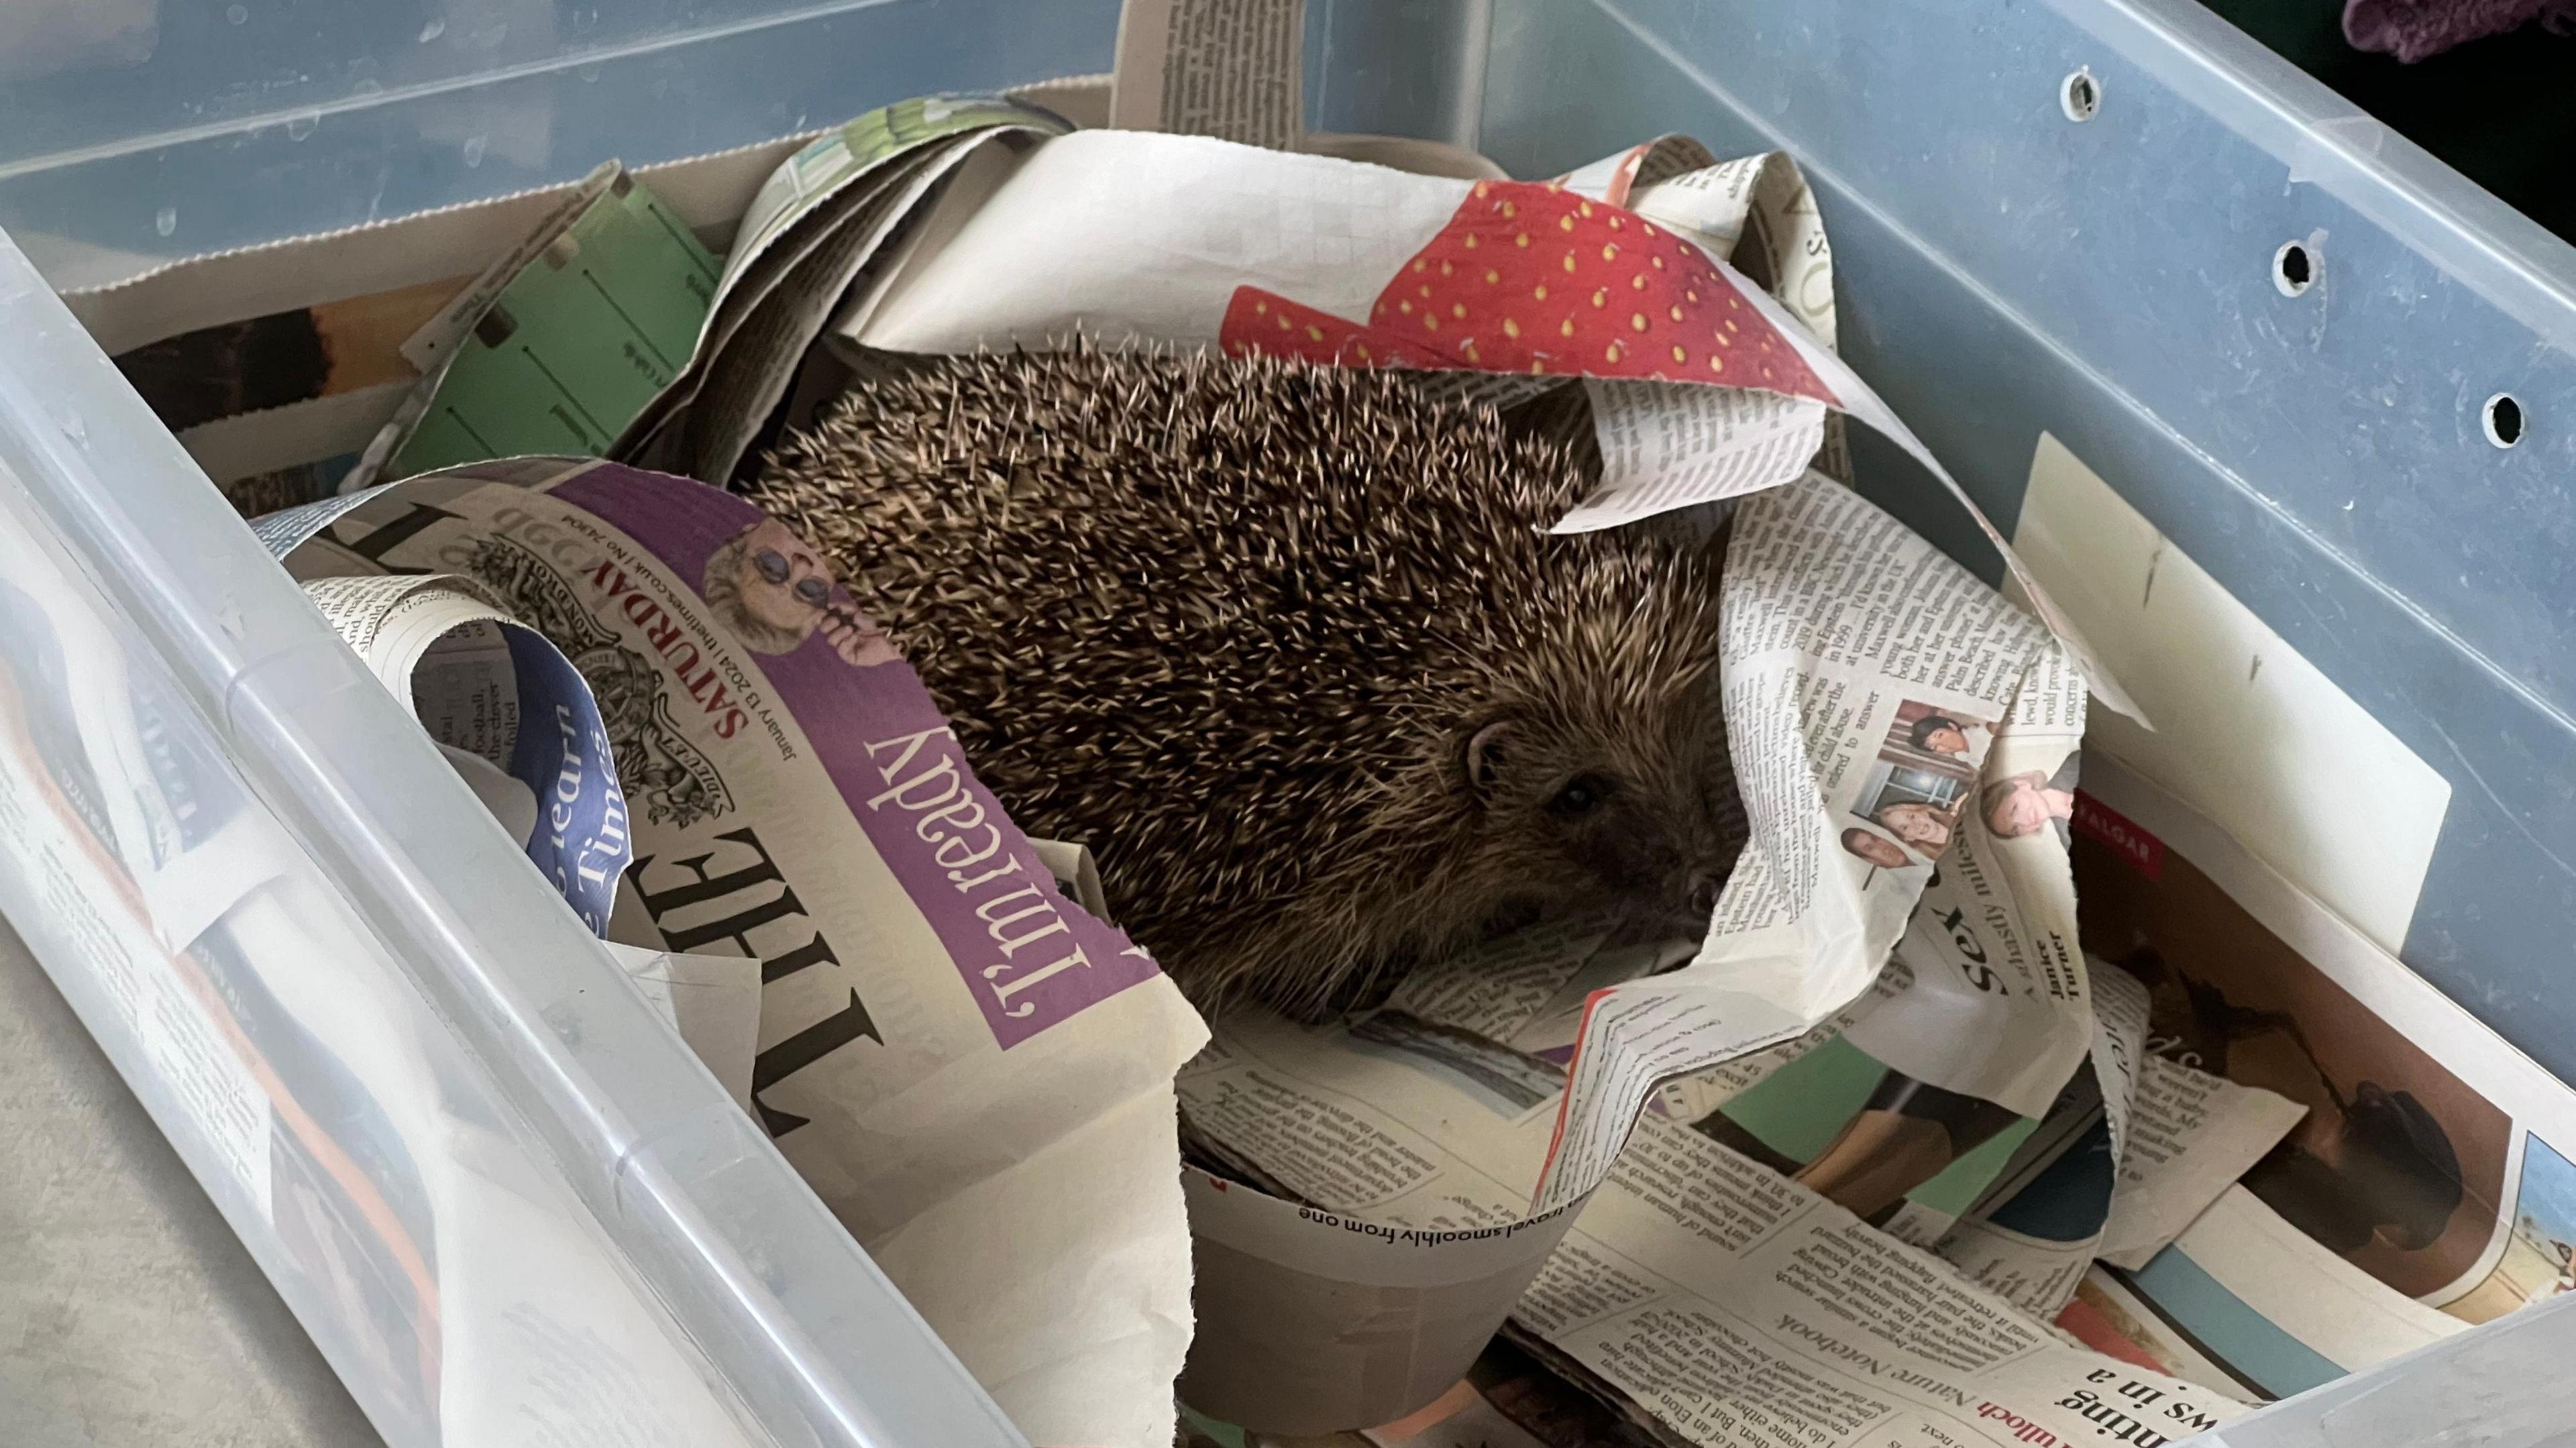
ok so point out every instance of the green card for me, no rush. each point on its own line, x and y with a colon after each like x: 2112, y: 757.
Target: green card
x: 577, y: 343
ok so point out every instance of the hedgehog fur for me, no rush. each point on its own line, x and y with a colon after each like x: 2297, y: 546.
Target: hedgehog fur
x: 1289, y: 646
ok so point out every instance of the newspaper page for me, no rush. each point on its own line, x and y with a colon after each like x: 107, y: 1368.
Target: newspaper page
x: 950, y: 1051
x: 2193, y: 1136
x: 1838, y: 622
x: 1953, y: 1075
x: 744, y: 378
x: 2425, y: 1187
x: 1757, y: 213
x: 1267, y: 252
x: 2189, y: 1136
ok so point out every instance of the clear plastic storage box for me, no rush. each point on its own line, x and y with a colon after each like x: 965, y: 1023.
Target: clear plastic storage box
x: 2064, y: 217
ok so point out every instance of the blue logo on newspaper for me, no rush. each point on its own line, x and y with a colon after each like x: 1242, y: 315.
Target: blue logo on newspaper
x: 581, y: 841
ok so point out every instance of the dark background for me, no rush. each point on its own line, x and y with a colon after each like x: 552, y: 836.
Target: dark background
x: 2501, y: 111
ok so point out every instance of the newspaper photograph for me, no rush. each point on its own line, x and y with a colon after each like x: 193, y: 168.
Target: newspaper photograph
x: 947, y: 1044
x: 2425, y: 1185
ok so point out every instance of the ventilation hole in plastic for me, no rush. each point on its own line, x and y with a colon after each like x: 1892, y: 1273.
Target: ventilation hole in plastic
x: 2503, y: 418
x: 2080, y: 96
x: 2294, y: 268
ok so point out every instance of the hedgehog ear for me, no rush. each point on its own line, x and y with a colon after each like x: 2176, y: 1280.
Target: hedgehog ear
x: 1488, y: 749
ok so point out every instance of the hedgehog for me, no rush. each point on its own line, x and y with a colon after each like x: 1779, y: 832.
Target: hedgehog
x: 1290, y: 646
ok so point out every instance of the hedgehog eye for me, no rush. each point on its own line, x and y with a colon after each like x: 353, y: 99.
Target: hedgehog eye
x: 1582, y: 795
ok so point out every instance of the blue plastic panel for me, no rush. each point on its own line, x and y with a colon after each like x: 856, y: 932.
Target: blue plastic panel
x: 2007, y: 271
x: 227, y: 124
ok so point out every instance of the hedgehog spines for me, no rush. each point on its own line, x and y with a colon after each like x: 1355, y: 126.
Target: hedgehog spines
x: 1231, y: 621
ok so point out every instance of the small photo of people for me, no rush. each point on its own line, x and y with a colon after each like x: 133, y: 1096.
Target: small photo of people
x: 774, y: 591
x: 1910, y: 800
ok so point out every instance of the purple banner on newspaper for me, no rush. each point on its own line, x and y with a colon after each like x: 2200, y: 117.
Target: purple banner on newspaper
x: 1030, y: 957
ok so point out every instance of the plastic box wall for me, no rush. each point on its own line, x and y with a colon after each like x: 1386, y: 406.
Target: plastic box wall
x: 201, y: 125
x: 364, y: 858
x: 357, y: 853
x: 2006, y: 271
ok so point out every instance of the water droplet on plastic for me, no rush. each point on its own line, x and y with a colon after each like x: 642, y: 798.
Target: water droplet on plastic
x: 367, y: 88
x: 166, y: 220
x: 236, y: 14
x: 588, y: 73
x: 299, y: 127
x: 73, y: 428
x: 432, y: 31
x: 474, y: 151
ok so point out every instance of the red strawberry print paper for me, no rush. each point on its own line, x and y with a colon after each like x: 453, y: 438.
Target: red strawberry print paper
x: 1259, y: 321
x: 1533, y: 278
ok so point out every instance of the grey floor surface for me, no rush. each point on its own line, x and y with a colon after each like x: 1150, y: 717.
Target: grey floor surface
x: 129, y: 1315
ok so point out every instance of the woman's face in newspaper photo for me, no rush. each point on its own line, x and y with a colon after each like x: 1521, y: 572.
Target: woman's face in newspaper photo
x: 773, y: 589
x: 784, y: 584
x: 1917, y: 824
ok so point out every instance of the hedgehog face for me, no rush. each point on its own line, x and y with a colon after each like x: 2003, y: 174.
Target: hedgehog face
x: 1574, y: 816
